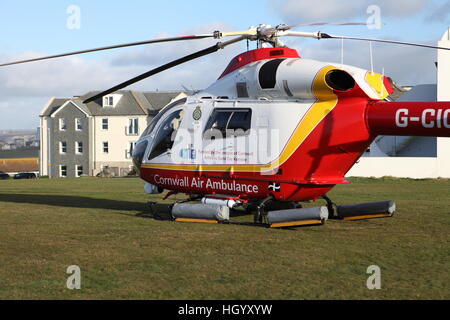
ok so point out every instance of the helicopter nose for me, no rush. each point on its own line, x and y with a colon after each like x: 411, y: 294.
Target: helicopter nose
x: 138, y: 153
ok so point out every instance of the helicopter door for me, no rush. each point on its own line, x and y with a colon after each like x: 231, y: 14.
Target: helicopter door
x: 226, y: 134
x: 238, y: 130
x: 165, y: 137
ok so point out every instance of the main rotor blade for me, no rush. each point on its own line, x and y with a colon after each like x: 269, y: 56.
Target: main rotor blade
x: 315, y: 24
x: 328, y: 36
x: 192, y: 37
x: 321, y: 35
x: 166, y: 66
x: 216, y: 34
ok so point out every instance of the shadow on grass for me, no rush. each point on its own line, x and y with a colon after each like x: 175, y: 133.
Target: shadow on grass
x: 81, y: 202
x: 158, y: 211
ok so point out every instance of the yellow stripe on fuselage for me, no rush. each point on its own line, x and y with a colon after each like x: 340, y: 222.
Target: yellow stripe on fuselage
x: 326, y: 101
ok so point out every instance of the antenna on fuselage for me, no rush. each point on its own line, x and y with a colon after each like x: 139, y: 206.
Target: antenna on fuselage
x: 371, y: 57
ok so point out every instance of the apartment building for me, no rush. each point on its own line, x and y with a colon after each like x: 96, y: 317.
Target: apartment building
x: 79, y: 139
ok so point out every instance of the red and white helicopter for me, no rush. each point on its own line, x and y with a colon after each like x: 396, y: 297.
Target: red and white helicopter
x: 273, y: 130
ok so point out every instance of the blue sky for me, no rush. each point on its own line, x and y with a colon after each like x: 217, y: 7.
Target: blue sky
x: 34, y: 28
x: 41, y: 25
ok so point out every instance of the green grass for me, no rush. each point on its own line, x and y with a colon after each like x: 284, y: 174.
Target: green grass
x: 102, y: 225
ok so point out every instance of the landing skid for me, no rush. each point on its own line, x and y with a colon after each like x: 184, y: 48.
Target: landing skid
x: 267, y: 212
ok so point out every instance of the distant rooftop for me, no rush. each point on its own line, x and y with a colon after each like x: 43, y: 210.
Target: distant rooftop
x: 131, y: 103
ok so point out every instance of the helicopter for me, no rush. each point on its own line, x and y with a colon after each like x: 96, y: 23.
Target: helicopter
x: 273, y: 131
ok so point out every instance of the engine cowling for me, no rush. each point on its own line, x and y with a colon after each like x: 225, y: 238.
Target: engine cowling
x: 287, y: 76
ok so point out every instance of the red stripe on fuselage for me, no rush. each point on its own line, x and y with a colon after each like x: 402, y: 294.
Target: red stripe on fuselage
x: 257, y: 55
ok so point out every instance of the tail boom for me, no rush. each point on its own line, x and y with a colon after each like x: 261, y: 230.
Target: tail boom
x: 409, y: 118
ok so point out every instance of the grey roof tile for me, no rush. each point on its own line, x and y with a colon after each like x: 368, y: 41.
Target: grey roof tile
x: 159, y: 99
x: 56, y: 103
x: 127, y: 105
x: 131, y: 103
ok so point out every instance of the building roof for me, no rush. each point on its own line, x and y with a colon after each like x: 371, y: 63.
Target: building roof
x: 159, y: 99
x: 79, y: 103
x: 127, y: 105
x: 131, y: 103
x: 53, y: 106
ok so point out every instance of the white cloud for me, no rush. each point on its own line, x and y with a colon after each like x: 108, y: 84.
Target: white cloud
x: 157, y: 54
x: 26, y: 88
x: 305, y: 11
x: 406, y: 65
x: 440, y: 13
x: 400, y: 8
x: 20, y: 112
x: 64, y: 76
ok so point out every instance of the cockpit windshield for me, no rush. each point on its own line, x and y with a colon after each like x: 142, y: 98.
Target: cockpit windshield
x: 152, y: 124
x: 166, y: 133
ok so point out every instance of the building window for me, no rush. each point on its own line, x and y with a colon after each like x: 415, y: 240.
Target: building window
x: 62, y: 124
x: 129, y: 150
x: 105, y: 147
x: 108, y: 101
x: 63, y: 171
x: 62, y: 147
x: 133, y: 126
x: 79, y: 147
x: 78, y: 170
x: 105, y: 124
x: 78, y: 124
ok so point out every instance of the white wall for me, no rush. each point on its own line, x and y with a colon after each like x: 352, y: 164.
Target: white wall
x: 43, y: 150
x: 443, y: 93
x: 443, y: 76
x: 44, y: 125
x: 117, y: 139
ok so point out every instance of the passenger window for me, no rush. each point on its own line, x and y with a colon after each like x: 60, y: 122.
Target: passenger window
x: 240, y: 122
x: 228, y: 123
x: 165, y: 136
x: 219, y: 121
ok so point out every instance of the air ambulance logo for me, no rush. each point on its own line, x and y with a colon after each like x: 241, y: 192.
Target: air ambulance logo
x: 197, y: 114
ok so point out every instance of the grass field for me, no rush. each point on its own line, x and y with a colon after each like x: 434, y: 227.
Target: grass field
x: 102, y: 226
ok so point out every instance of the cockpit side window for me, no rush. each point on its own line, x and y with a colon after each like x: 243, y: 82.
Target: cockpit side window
x: 165, y: 136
